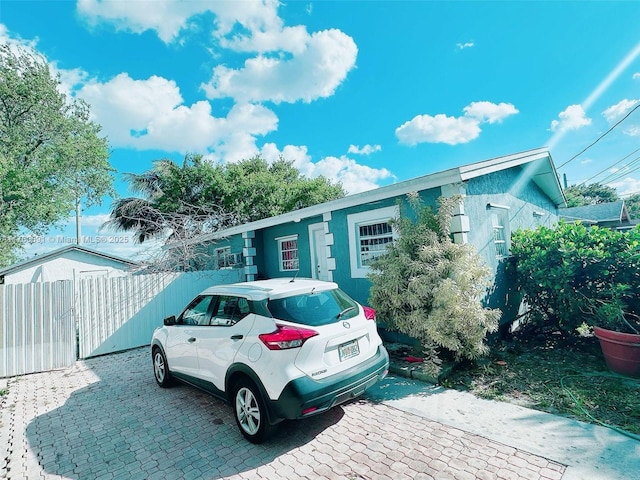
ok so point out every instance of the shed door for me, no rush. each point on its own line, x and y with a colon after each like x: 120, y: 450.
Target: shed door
x: 318, y: 252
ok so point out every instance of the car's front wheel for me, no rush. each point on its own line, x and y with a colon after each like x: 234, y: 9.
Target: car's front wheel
x: 160, y: 368
x: 250, y: 412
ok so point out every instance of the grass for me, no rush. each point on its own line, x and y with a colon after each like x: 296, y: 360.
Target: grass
x: 551, y: 374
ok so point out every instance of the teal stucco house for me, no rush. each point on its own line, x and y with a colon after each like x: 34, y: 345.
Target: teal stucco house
x: 336, y: 240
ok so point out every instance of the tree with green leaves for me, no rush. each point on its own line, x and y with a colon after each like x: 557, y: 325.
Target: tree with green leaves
x: 51, y: 153
x: 432, y: 289
x: 182, y: 202
x: 633, y: 205
x: 594, y: 193
x: 562, y: 271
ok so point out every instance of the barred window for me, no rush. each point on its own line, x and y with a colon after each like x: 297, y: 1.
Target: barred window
x: 500, y: 222
x: 222, y: 257
x: 374, y: 240
x: 288, y: 253
x: 370, y: 235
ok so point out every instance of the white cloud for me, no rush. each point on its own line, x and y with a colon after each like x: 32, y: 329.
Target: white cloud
x: 632, y: 131
x: 636, y: 76
x: 489, y: 112
x: 571, y: 118
x: 146, y: 114
x: 353, y: 176
x: 462, y: 46
x: 16, y: 43
x: 290, y: 63
x: 297, y: 154
x: 453, y: 130
x: 167, y: 18
x: 94, y: 221
x: 617, y: 111
x: 316, y: 66
x: 627, y: 186
x: 365, y: 150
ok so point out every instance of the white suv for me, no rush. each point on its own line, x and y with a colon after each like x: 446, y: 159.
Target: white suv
x: 275, y: 349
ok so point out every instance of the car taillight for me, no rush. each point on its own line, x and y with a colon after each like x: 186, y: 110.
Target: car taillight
x: 285, y: 337
x: 369, y: 313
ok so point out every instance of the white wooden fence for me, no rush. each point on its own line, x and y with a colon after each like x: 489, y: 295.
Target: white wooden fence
x: 44, y: 326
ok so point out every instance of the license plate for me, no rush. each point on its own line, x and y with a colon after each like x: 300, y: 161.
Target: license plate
x: 348, y: 350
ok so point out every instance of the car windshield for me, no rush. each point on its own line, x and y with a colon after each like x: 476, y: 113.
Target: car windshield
x: 314, y: 309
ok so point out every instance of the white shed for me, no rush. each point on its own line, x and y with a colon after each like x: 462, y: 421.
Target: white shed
x: 73, y: 262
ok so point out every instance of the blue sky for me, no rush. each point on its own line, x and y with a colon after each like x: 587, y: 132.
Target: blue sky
x: 364, y: 92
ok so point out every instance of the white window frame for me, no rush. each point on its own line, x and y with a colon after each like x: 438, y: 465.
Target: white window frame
x: 281, y: 260
x: 354, y: 222
x: 500, y: 223
x: 222, y: 254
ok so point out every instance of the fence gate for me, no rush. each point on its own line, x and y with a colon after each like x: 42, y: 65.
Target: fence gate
x: 39, y: 321
x: 37, y: 328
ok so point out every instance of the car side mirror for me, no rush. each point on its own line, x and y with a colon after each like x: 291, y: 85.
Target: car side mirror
x: 170, y: 321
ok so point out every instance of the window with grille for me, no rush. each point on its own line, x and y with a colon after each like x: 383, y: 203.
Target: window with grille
x: 288, y: 253
x: 222, y: 256
x: 500, y: 222
x: 373, y: 240
x: 369, y: 237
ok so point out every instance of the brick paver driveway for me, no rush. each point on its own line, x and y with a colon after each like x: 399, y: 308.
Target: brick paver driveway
x: 106, y: 418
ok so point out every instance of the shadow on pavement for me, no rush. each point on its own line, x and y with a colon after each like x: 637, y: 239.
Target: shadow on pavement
x: 127, y: 426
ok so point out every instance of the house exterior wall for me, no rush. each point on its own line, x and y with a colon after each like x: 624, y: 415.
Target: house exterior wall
x: 522, y: 203
x: 357, y: 287
x: 72, y: 265
x: 527, y: 208
x: 268, y: 248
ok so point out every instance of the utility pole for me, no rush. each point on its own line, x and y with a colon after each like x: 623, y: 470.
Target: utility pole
x: 78, y: 233
x: 78, y: 228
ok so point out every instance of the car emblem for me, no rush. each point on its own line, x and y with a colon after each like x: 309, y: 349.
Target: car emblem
x: 346, y: 325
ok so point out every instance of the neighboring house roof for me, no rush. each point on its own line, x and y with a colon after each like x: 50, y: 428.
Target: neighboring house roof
x: 598, y: 213
x: 540, y: 169
x: 61, y: 251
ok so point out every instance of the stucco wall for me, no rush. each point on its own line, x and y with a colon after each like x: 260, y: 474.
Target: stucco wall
x: 269, y: 248
x: 528, y: 208
x: 72, y: 265
x: 358, y: 288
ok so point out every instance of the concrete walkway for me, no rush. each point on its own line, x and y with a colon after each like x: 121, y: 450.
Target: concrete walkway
x: 589, y: 451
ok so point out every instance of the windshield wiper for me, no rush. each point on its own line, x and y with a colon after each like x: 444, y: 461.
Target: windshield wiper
x: 345, y: 311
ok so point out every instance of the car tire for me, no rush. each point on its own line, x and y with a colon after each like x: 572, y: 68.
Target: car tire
x: 161, y: 368
x: 250, y: 412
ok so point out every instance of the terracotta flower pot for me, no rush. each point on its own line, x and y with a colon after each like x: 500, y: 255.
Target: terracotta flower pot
x: 621, y: 351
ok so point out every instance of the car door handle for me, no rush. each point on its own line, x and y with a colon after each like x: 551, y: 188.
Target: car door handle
x: 191, y: 340
x: 237, y: 337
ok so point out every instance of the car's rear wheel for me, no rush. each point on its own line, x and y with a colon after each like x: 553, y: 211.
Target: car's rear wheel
x: 250, y: 412
x: 160, y: 368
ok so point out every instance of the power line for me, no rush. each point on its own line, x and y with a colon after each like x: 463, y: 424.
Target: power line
x: 606, y: 169
x: 627, y: 169
x: 601, y: 136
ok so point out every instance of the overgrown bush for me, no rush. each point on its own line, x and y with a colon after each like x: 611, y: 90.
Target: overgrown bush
x: 572, y: 274
x: 431, y: 289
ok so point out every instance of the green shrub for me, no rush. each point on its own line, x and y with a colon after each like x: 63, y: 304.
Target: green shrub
x: 573, y: 274
x: 431, y: 289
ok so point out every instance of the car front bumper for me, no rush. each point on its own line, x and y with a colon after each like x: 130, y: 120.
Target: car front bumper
x: 305, y: 396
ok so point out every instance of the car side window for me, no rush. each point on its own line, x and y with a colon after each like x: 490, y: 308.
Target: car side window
x: 198, y: 311
x: 230, y: 310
